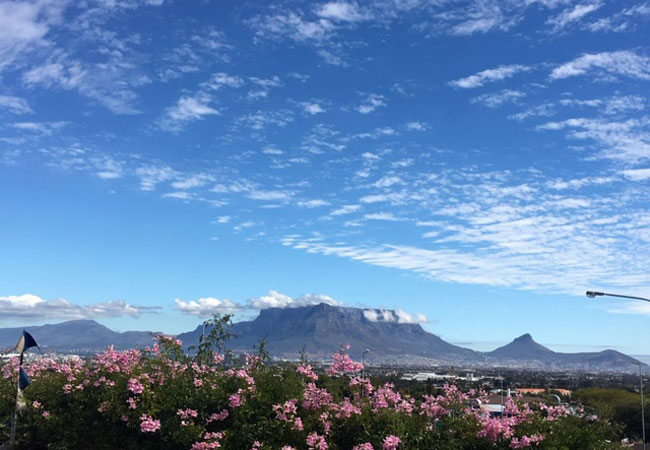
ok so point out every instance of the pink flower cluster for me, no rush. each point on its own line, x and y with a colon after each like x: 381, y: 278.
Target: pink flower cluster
x: 391, y: 442
x: 316, y: 441
x: 526, y: 441
x: 148, y: 424
x: 343, y: 364
x: 135, y: 386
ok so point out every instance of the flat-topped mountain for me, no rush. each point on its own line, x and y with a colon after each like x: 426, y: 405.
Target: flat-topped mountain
x: 321, y: 329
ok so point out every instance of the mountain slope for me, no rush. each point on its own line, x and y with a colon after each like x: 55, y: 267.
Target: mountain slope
x: 76, y: 335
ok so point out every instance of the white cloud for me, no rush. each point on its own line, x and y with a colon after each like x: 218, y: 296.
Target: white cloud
x: 490, y: 75
x: 272, y: 151
x: 111, y: 81
x: 331, y: 58
x: 14, y: 105
x: 627, y: 141
x: 496, y: 99
x: 260, y: 119
x: 271, y: 195
x: 223, y: 219
x: 192, y: 181
x: 393, y: 316
x: 574, y: 14
x: 150, y: 176
x: 178, y: 195
x: 24, y: 26
x: 46, y: 128
x: 637, y: 308
x: 34, y: 307
x: 371, y: 103
x: 342, y: 11
x: 312, y: 108
x: 187, y: 109
x: 207, y: 306
x: 625, y: 63
x: 391, y: 197
x: 416, y: 126
x: 291, y: 25
x: 346, y: 209
x: 623, y: 20
x: 388, y: 181
x: 387, y: 216
x: 220, y: 79
x: 108, y: 168
x: 316, y: 203
x: 275, y: 299
x: 637, y: 174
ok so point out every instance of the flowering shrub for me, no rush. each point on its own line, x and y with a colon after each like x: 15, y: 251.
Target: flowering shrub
x: 162, y: 399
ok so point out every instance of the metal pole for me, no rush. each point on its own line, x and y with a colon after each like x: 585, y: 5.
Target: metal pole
x: 642, y: 408
x: 12, y: 436
x: 502, y: 405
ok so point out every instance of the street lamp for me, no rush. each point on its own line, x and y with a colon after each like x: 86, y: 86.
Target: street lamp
x: 593, y: 294
x: 363, y: 365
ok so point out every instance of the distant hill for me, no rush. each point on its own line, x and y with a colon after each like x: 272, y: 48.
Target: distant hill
x: 321, y: 329
x: 76, y: 336
x: 524, y: 351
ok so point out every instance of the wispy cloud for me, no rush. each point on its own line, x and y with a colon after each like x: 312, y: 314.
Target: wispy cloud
x: 571, y: 15
x: 606, y: 65
x: 626, y: 141
x: 488, y: 76
x: 343, y: 11
x: 15, y: 105
x: 496, y: 99
x: 187, y: 109
x: 371, y: 103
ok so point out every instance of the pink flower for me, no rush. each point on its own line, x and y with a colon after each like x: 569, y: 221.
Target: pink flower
x: 526, y: 441
x: 343, y: 364
x: 364, y: 446
x: 391, y: 442
x: 148, y: 424
x: 218, y: 416
x: 46, y: 415
x: 135, y: 386
x: 314, y: 440
x: 235, y: 400
x: 307, y: 371
x: 187, y: 413
x: 132, y: 403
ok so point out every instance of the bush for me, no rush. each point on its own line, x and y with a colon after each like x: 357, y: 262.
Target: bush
x: 162, y: 398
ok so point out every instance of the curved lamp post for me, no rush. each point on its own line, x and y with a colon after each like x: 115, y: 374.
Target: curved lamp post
x: 593, y: 294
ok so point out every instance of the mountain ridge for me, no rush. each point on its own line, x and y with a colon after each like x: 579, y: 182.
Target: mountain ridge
x: 321, y: 329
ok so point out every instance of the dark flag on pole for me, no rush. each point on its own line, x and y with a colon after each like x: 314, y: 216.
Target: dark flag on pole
x: 23, y: 379
x: 26, y: 341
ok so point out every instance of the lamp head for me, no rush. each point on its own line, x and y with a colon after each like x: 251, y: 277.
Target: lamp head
x: 592, y: 294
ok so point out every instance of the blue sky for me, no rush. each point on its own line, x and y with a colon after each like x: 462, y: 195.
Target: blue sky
x: 477, y: 165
